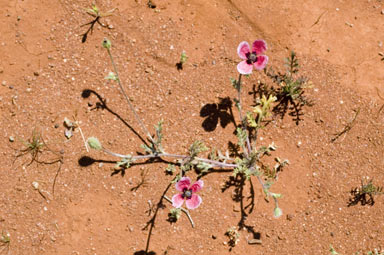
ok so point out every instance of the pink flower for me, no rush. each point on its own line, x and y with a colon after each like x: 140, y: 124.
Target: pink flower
x: 252, y: 59
x: 187, y: 193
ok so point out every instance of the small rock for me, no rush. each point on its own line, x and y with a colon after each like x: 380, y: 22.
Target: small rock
x: 90, y: 104
x: 4, y: 83
x: 11, y: 87
x: 11, y: 139
x: 214, y: 237
x: 56, y: 125
x: 254, y: 241
x: 289, y: 217
x: 382, y: 12
x: 36, y: 73
x: 149, y: 70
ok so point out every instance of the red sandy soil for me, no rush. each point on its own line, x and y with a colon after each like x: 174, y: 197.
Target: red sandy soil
x: 45, y: 68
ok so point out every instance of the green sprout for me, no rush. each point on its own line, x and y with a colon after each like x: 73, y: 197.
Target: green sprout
x: 183, y: 60
x: 262, y: 111
x: 233, y: 235
x: 97, y: 15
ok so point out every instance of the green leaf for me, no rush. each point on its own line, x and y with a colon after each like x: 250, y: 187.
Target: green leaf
x: 111, y: 76
x: 94, y: 143
x: 277, y: 212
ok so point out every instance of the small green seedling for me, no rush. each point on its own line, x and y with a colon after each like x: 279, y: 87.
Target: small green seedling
x: 183, y: 60
x: 97, y: 14
x: 33, y: 146
x: 365, y: 193
x: 5, y: 240
x: 233, y: 235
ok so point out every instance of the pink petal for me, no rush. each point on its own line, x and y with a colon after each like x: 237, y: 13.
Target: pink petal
x: 261, y: 62
x: 183, y: 183
x: 259, y: 46
x: 193, y: 202
x: 197, y: 186
x: 244, y: 68
x: 177, y: 200
x: 243, y: 49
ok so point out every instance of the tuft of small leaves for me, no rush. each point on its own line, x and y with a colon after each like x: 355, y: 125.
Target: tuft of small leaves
x: 125, y: 163
x: 174, y: 214
x: 111, y: 76
x: 247, y: 167
x: 155, y: 146
x: 233, y: 235
x: 292, y: 63
x: 262, y: 111
x: 170, y: 170
x: 241, y: 137
x: 183, y: 57
x: 196, y: 148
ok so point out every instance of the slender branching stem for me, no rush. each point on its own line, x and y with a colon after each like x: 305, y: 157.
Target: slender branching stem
x: 145, y: 130
x: 214, y: 163
x: 183, y: 210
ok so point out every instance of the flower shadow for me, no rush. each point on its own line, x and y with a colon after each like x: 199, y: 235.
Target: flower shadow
x: 217, y: 112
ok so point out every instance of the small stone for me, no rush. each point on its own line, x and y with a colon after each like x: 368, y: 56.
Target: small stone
x: 382, y: 12
x: 11, y: 87
x: 36, y: 73
x: 56, y: 125
x: 90, y: 104
x: 214, y: 237
x: 149, y: 70
x: 11, y: 139
x: 254, y: 241
x: 289, y: 217
x: 4, y: 83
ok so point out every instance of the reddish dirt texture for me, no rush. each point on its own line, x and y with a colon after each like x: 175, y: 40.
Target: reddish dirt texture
x: 82, y: 208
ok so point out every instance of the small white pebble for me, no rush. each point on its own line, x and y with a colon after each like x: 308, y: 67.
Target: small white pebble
x: 261, y: 138
x: 337, y: 9
x: 171, y: 47
x: 65, y: 60
x: 316, y: 90
x: 341, y: 102
x: 45, y: 208
x: 298, y: 143
x: 35, y: 185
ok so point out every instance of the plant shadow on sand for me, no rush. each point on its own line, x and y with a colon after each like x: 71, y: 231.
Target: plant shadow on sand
x: 217, y: 112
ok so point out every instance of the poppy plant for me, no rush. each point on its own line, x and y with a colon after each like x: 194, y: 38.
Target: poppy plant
x: 252, y: 59
x: 188, y: 191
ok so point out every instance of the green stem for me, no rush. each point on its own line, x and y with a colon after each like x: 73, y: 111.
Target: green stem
x: 243, y: 126
x: 128, y: 101
x: 183, y: 210
x: 214, y: 163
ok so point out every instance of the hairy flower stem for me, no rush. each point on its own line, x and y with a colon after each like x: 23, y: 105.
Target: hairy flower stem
x: 129, y: 102
x: 243, y: 125
x: 214, y: 163
x: 183, y: 210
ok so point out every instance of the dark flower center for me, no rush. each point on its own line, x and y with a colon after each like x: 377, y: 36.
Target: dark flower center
x: 251, y: 58
x: 187, y: 193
